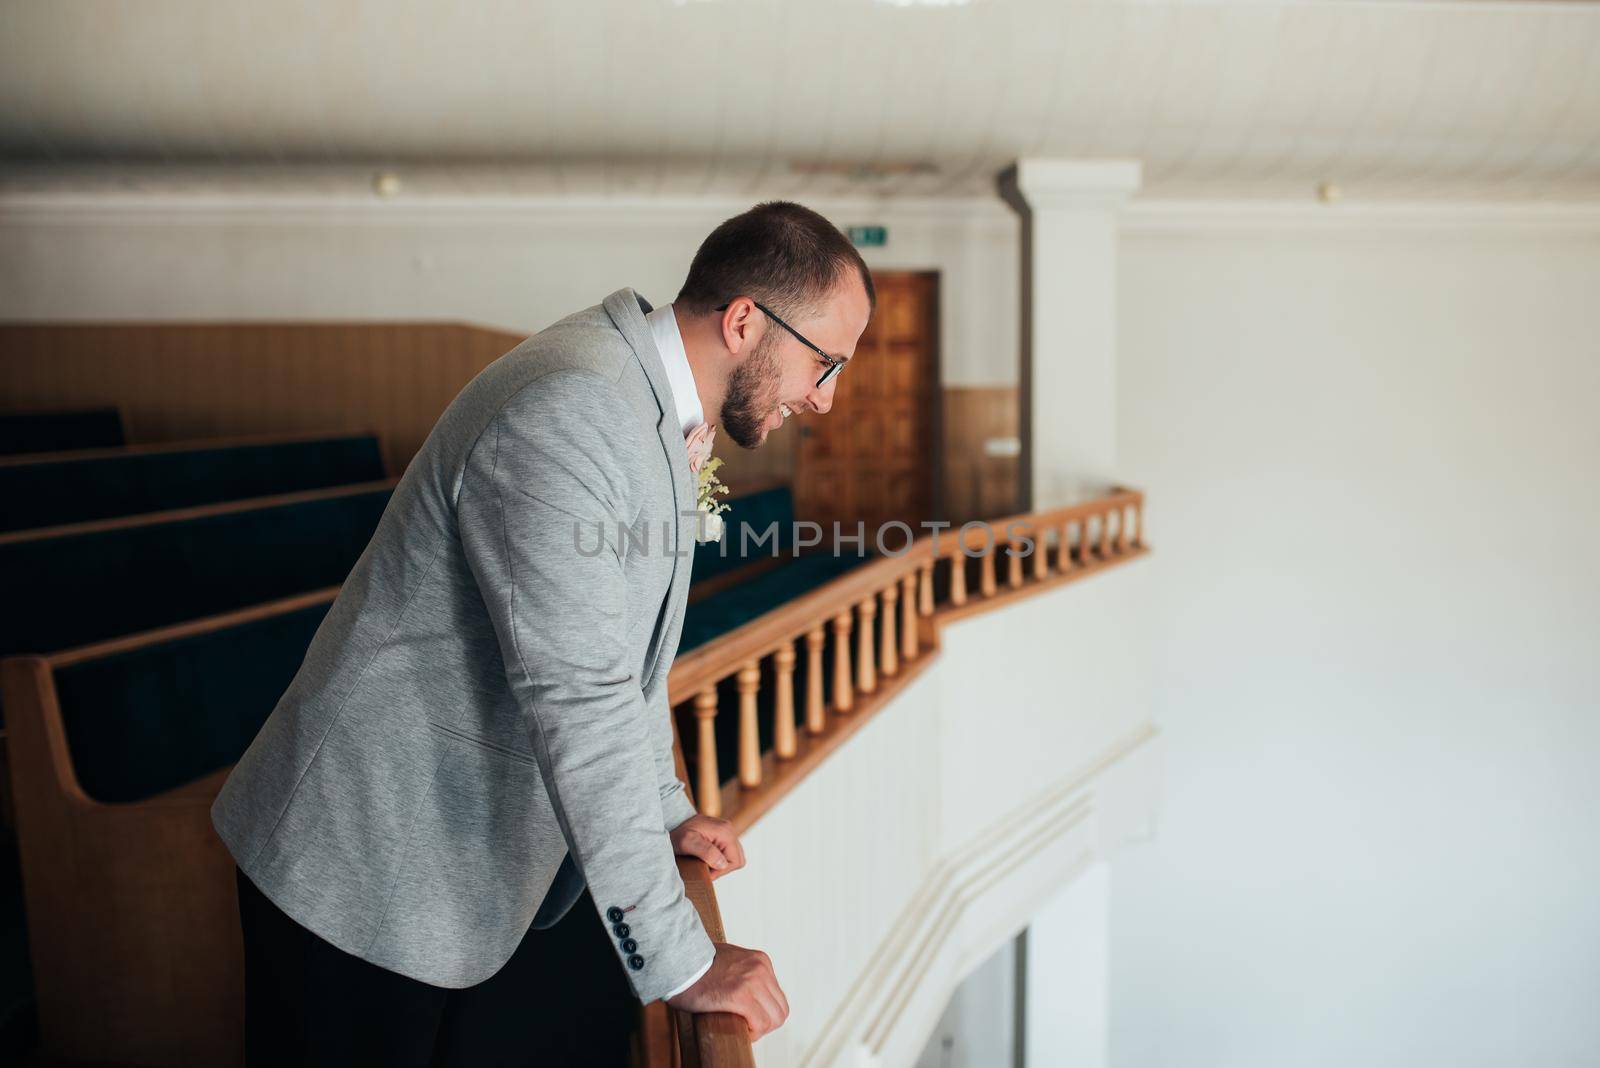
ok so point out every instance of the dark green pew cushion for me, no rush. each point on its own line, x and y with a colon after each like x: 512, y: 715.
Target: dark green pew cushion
x: 73, y: 590
x: 726, y: 609
x: 152, y: 719
x: 758, y: 512
x: 66, y: 490
x: 96, y: 428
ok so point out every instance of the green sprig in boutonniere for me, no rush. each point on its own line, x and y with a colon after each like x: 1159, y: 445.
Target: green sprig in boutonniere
x: 708, y: 487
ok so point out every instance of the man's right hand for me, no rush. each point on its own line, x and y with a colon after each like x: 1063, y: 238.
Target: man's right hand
x: 740, y: 981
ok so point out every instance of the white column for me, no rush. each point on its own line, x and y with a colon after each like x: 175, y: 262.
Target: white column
x: 1069, y: 381
x: 1066, y: 1018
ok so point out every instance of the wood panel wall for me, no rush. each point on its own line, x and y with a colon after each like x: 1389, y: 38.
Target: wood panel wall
x: 180, y: 381
x: 175, y: 382
x: 972, y: 485
x: 976, y: 485
x: 773, y: 462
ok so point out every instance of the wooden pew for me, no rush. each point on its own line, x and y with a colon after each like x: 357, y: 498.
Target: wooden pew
x: 131, y: 900
x: 63, y: 587
x: 118, y: 750
x: 56, y: 488
x: 72, y: 585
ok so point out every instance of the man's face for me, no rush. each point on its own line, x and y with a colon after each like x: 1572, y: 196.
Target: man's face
x: 779, y: 377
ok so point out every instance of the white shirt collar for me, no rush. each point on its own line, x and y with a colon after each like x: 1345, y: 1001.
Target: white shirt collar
x: 669, y: 343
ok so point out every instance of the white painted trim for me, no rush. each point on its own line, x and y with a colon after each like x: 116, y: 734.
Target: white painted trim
x: 1139, y: 216
x: 207, y: 208
x: 1180, y: 217
x: 972, y: 902
x: 1096, y: 185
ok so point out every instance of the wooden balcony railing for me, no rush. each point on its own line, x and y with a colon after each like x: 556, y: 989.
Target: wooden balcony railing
x: 1066, y: 542
x: 818, y: 667
x: 849, y: 645
x: 855, y: 634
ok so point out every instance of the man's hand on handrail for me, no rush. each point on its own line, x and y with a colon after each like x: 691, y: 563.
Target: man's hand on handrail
x: 739, y: 981
x: 712, y: 840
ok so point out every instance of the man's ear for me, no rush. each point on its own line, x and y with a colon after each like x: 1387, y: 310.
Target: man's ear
x: 740, y: 328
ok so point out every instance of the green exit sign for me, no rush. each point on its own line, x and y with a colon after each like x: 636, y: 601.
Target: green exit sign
x: 868, y: 236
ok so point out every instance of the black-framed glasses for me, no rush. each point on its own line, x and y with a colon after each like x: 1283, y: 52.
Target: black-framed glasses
x: 835, y: 365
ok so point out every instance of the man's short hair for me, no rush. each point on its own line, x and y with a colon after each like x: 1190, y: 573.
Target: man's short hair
x: 781, y: 253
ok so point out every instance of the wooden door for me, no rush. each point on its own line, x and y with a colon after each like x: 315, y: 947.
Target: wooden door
x: 873, y: 457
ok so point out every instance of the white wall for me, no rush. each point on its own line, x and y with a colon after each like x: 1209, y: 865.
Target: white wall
x: 514, y: 262
x: 1373, y: 453
x: 1373, y: 456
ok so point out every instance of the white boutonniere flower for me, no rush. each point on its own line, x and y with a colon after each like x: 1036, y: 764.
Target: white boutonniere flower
x: 708, y: 487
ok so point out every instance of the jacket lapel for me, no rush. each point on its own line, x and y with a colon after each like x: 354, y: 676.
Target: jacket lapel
x: 627, y: 310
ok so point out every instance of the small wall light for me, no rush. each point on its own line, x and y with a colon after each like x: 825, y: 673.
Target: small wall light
x: 386, y: 183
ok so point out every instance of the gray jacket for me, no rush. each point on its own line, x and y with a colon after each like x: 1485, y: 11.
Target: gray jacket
x: 489, y: 690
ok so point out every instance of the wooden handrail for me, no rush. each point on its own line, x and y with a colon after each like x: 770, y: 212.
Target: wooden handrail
x: 710, y: 1039
x: 978, y: 534
x: 720, y: 658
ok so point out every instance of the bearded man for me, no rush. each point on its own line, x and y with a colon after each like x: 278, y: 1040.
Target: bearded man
x: 479, y: 736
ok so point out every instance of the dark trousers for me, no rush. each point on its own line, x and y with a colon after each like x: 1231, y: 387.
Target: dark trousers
x: 561, y: 1000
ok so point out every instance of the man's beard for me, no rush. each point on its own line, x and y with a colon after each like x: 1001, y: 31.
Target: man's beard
x: 752, y: 394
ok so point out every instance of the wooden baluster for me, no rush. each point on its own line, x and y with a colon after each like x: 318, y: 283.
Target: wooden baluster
x: 843, y: 695
x: 1122, y: 529
x: 866, y: 674
x: 1013, y: 567
x: 986, y: 570
x: 1138, y: 523
x: 1041, y: 557
x: 783, y: 732
x: 908, y: 616
x: 708, y: 784
x: 889, y: 650
x: 1083, y: 541
x: 925, y: 590
x: 1105, y: 532
x: 749, y: 729
x: 1064, y: 550
x: 816, y: 719
x: 958, y: 578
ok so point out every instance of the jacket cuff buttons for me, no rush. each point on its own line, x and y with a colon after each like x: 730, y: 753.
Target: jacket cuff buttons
x: 622, y: 931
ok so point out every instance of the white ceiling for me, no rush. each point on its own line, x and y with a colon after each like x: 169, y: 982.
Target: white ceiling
x: 925, y: 97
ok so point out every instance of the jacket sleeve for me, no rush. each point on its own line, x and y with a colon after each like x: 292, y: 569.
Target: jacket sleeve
x: 542, y: 496
x: 675, y: 805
